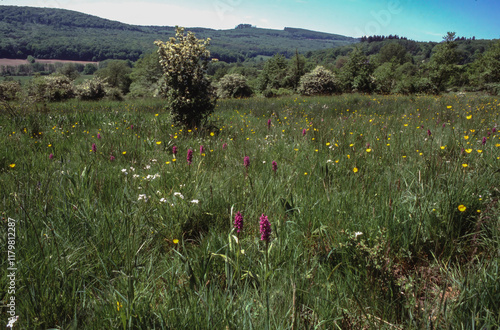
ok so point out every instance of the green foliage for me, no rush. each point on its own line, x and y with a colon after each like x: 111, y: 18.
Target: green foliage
x: 233, y: 86
x: 89, y: 69
x: 356, y: 73
x: 51, y: 88
x: 69, y: 70
x: 320, y: 81
x: 116, y: 73
x: 184, y: 61
x: 394, y: 52
x: 297, y: 68
x: 146, y: 76
x: 114, y: 94
x: 274, y: 74
x: 92, y: 89
x: 486, y: 69
x: 9, y: 90
x: 443, y: 67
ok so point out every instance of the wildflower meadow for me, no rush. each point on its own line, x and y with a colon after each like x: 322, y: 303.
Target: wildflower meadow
x: 349, y: 211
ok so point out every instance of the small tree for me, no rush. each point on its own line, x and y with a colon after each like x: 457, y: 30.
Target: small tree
x: 184, y: 60
x: 274, y: 75
x: 69, y: 70
x: 146, y: 76
x: 89, y: 68
x: 356, y: 73
x: 319, y: 81
x: 233, y: 85
x: 116, y: 73
x: 443, y: 66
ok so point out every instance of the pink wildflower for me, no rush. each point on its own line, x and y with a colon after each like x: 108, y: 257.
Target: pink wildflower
x: 265, y: 228
x: 238, y: 222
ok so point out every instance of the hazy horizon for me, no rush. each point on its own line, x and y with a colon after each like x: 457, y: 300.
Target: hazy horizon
x: 423, y: 21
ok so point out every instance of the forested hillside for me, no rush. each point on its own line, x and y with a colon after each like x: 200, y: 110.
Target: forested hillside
x: 57, y: 33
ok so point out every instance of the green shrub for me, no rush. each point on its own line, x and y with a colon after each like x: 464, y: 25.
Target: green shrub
x: 51, y: 88
x: 320, y: 81
x: 92, y: 89
x: 9, y: 90
x: 114, y: 93
x: 233, y: 86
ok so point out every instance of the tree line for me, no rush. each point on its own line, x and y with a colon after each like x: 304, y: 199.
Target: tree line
x: 389, y: 66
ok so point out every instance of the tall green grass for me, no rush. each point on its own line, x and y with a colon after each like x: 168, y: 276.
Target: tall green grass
x: 384, y: 214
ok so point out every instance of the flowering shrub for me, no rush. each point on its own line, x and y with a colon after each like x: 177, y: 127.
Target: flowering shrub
x: 233, y: 86
x: 9, y: 90
x: 184, y: 60
x: 320, y: 81
x: 92, y: 89
x: 51, y: 88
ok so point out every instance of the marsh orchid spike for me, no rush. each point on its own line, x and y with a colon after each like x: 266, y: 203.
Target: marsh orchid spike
x: 265, y: 228
x: 238, y: 222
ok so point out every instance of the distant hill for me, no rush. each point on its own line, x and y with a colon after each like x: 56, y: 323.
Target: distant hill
x: 47, y: 33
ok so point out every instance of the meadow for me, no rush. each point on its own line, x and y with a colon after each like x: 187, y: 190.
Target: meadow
x: 383, y: 209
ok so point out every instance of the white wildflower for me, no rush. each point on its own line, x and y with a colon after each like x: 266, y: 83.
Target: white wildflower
x: 178, y: 194
x: 12, y: 320
x: 195, y: 201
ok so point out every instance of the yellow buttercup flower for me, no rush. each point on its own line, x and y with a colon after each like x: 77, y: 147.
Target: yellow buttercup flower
x: 461, y: 208
x: 355, y: 170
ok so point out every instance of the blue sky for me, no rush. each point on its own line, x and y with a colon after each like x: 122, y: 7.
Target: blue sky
x: 424, y: 20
